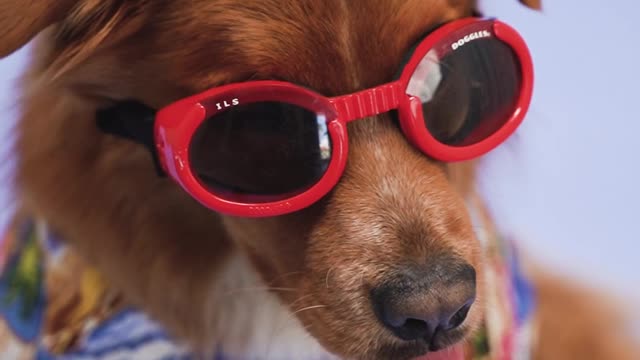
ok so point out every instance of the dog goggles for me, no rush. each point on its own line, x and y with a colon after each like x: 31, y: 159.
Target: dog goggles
x: 266, y: 148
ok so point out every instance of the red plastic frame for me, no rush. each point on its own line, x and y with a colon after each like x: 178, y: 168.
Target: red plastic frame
x: 177, y: 122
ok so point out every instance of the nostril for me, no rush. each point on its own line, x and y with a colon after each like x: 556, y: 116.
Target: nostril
x: 415, y: 328
x: 459, y: 317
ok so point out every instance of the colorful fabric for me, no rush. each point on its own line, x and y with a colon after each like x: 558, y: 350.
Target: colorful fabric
x: 53, y: 306
x: 509, y: 329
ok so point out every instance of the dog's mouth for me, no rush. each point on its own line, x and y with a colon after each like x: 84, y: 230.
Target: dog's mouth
x: 421, y: 352
x: 453, y: 353
x: 448, y: 347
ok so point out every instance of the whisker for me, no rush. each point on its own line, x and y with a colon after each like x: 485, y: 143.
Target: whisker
x: 326, y: 279
x: 309, y: 308
x: 299, y: 299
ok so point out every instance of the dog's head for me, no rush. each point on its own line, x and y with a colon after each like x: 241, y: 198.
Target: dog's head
x: 388, y: 254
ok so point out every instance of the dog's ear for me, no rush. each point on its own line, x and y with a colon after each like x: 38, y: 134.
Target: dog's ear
x: 21, y: 20
x: 534, y: 4
x: 94, y: 24
x: 82, y: 25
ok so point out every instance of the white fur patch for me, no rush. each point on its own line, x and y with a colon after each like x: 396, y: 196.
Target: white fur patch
x: 252, y: 324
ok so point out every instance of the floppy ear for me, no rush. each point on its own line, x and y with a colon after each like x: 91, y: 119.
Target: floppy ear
x: 83, y: 26
x: 21, y: 20
x: 534, y: 4
x: 94, y: 24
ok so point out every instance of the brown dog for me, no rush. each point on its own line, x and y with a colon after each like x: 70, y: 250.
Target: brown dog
x: 290, y: 285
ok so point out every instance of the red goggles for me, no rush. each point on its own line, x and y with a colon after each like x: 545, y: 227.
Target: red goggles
x: 465, y: 89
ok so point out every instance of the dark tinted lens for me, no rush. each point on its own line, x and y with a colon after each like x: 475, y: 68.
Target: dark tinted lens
x: 469, y: 93
x: 267, y: 151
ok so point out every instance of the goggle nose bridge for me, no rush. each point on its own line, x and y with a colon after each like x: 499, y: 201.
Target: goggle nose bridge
x: 369, y: 102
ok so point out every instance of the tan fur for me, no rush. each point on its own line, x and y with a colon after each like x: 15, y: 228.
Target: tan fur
x: 580, y: 323
x: 154, y: 243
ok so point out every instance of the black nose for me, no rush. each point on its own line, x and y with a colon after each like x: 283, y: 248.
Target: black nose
x: 422, y: 301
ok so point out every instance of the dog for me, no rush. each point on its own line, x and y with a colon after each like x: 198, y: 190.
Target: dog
x: 149, y: 259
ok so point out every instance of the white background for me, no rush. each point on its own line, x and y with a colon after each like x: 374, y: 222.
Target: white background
x: 567, y: 184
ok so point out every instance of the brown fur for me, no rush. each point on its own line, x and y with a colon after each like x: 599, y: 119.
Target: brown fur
x: 154, y: 243
x: 579, y: 323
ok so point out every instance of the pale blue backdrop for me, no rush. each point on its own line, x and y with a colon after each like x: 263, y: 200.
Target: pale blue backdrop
x: 567, y: 185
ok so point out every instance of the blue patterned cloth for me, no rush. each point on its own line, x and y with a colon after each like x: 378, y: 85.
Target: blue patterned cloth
x: 122, y: 334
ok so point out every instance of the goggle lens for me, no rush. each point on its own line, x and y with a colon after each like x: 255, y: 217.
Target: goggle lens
x: 467, y: 93
x: 261, y: 151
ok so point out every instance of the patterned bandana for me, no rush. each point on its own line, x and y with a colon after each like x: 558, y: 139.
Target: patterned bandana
x: 53, y: 305
x: 509, y: 329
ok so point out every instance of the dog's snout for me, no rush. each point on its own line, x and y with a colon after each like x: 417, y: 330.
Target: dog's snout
x: 423, y: 301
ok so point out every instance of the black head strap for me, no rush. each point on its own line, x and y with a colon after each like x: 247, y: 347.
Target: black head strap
x: 131, y: 120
